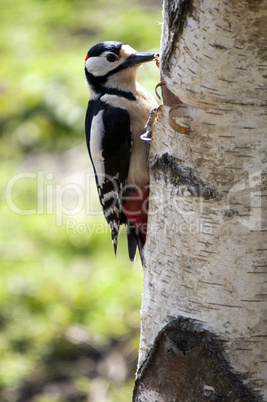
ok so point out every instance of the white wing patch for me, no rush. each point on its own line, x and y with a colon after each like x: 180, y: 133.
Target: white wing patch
x: 97, y: 134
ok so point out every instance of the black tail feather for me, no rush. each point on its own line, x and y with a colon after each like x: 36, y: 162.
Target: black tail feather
x: 115, y: 248
x: 134, y: 240
x: 114, y: 236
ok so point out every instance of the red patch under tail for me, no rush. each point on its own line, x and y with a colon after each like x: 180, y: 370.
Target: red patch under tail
x: 135, y: 207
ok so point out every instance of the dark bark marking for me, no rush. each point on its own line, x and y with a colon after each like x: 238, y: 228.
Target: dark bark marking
x: 182, y: 176
x: 187, y: 363
x: 177, y: 14
x: 229, y: 213
x: 217, y: 46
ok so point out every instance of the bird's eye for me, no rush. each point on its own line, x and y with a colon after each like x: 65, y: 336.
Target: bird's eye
x: 111, y: 57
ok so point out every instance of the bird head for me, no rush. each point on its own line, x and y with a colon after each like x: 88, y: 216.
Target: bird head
x: 112, y: 63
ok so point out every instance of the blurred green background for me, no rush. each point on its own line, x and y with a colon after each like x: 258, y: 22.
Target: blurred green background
x: 69, y: 310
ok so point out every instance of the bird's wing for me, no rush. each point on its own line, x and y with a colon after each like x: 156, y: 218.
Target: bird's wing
x: 109, y: 148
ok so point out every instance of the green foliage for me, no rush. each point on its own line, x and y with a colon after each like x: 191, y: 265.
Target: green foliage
x: 69, y: 310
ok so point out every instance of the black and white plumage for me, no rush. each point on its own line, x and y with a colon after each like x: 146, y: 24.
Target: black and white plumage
x: 116, y: 116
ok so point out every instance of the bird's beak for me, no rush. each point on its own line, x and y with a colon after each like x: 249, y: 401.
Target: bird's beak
x: 139, y: 58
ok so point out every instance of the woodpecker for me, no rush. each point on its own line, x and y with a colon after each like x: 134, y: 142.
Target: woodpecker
x: 116, y: 116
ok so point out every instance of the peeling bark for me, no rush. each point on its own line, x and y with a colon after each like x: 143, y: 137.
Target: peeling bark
x: 205, y: 256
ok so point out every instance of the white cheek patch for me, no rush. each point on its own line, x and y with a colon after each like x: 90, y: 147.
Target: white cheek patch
x: 97, y: 134
x: 99, y: 66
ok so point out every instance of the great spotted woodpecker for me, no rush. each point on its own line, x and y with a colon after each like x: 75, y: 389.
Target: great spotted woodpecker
x: 116, y: 116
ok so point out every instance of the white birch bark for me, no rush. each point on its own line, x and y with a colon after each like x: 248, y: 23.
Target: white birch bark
x: 205, y: 255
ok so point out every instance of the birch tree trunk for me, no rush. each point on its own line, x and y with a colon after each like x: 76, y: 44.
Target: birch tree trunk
x: 203, y: 334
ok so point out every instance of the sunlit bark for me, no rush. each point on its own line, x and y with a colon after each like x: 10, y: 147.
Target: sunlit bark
x: 205, y: 256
